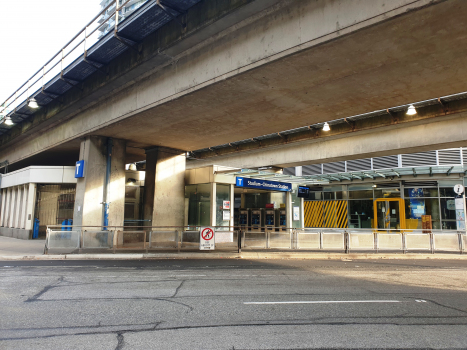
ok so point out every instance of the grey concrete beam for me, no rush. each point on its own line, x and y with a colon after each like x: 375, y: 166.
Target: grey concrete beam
x: 439, y: 133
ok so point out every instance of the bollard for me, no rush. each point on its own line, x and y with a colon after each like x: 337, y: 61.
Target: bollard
x: 347, y: 242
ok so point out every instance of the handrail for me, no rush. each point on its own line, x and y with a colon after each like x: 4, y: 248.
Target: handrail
x: 26, y: 85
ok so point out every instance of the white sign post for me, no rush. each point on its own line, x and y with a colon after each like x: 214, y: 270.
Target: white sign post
x: 206, y: 238
x: 460, y: 208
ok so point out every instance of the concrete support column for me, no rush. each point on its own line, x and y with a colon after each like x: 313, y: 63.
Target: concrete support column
x: 30, y: 206
x: 6, y: 218
x: 11, y: 222
x: 164, y: 202
x: 24, y: 205
x: 2, y: 217
x: 89, y: 198
x: 19, y: 193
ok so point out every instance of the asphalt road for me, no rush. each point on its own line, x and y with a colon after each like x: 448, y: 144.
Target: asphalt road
x: 233, y: 304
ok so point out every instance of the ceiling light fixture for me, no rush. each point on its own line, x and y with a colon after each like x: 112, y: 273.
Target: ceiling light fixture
x: 326, y: 127
x: 8, y: 121
x: 411, y: 110
x: 32, y: 103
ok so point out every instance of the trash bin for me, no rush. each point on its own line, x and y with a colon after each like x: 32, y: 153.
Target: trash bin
x: 66, y: 226
x: 35, y: 231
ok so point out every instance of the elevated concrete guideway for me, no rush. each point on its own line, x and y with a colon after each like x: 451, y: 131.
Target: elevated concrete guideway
x: 274, y: 67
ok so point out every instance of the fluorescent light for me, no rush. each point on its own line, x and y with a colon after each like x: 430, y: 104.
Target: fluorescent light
x: 326, y: 127
x: 411, y: 110
x: 33, y: 103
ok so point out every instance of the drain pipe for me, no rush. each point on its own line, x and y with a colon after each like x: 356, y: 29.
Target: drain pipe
x: 107, y: 184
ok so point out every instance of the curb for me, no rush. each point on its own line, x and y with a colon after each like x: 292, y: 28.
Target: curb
x: 243, y: 255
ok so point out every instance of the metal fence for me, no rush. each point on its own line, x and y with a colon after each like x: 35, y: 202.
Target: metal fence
x: 72, y: 239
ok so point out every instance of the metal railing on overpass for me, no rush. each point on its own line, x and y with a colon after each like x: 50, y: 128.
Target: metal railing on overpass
x: 82, y: 239
x: 90, y: 51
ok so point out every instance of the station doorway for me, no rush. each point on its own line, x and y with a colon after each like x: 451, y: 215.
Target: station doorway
x: 260, y: 210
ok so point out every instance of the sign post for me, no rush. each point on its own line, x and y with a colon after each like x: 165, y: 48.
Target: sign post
x: 460, y: 207
x: 206, y: 238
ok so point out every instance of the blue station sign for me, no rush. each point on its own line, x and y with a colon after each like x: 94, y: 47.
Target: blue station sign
x: 79, y: 170
x: 263, y: 184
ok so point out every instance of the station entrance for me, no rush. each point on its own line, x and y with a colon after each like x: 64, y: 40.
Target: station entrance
x: 260, y: 210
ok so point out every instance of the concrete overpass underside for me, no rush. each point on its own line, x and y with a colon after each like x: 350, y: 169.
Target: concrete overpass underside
x: 290, y: 65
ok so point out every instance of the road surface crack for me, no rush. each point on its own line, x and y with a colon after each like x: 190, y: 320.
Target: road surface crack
x: 44, y: 290
x: 120, y: 341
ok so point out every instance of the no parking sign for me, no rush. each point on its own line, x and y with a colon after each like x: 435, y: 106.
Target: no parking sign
x: 206, y: 238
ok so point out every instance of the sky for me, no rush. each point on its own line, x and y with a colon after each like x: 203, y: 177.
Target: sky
x: 32, y: 31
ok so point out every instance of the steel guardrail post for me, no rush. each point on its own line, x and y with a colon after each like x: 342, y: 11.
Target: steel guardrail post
x: 432, y: 243
x: 144, y: 242
x: 404, y: 243
x: 460, y: 241
x: 320, y: 240
x: 46, y: 246
x: 376, y: 242
x: 80, y: 241
x: 347, y: 242
x: 179, y: 235
x: 115, y: 240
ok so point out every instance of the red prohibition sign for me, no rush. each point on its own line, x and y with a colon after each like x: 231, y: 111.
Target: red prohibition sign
x: 207, y: 234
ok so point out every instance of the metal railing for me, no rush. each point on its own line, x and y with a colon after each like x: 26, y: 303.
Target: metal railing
x: 79, y: 239
x: 72, y: 50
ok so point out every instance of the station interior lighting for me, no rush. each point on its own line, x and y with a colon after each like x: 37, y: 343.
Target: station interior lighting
x: 8, y: 121
x: 411, y: 110
x: 32, y: 103
x: 326, y: 127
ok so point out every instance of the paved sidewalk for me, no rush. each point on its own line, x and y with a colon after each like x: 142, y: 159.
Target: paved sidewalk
x: 18, y: 249
x: 12, y: 247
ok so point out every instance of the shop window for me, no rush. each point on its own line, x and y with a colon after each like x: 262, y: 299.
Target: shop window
x: 448, y: 209
x: 316, y: 196
x: 388, y: 193
x: 328, y: 196
x: 416, y: 207
x: 420, y: 192
x: 360, y: 213
x: 447, y: 192
x: 222, y: 194
x: 364, y: 194
x: 199, y: 204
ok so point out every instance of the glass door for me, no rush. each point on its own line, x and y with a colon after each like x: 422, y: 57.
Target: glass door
x: 389, y: 214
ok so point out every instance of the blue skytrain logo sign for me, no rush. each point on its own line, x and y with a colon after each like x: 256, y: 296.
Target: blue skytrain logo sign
x: 263, y: 184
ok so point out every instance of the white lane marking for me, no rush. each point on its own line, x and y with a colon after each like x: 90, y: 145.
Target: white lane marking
x: 319, y: 302
x: 420, y: 301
